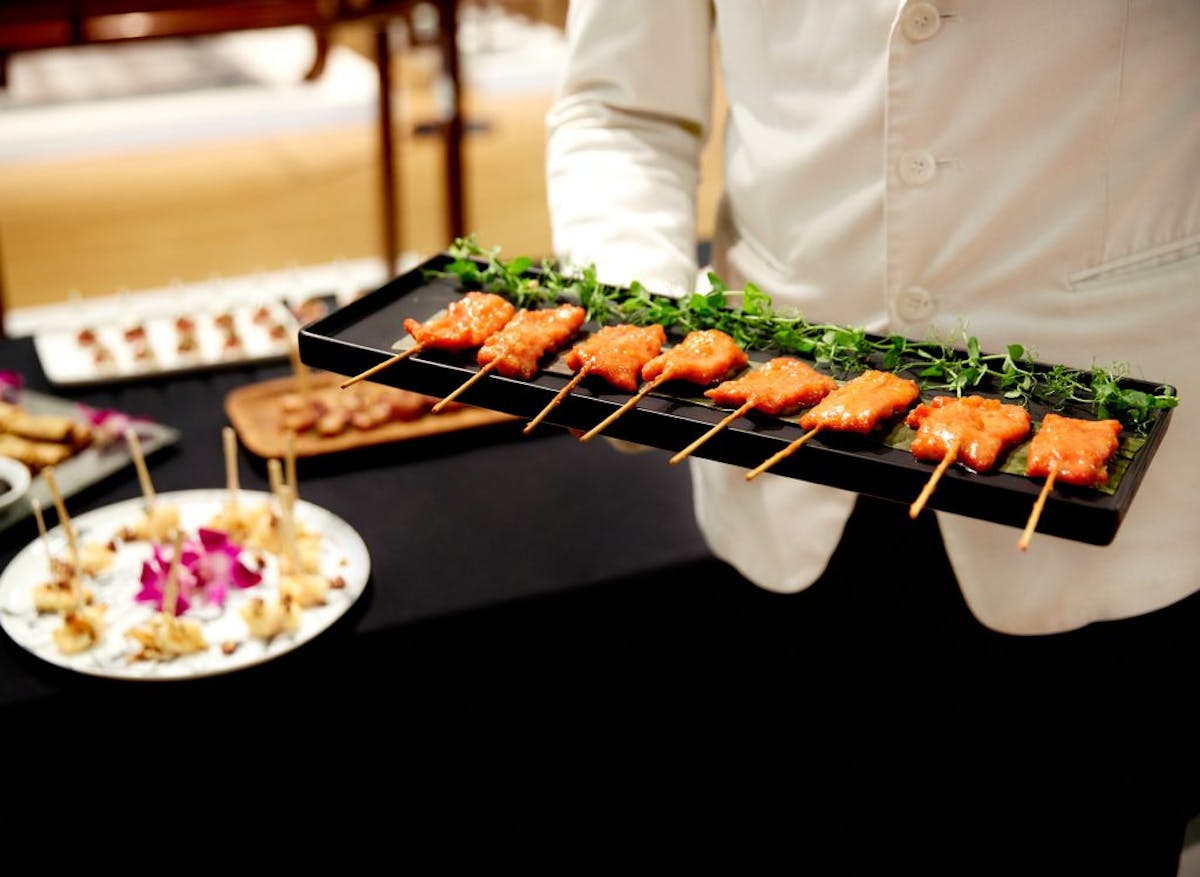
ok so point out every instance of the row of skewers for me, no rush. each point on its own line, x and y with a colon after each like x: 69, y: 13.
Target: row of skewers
x: 973, y: 431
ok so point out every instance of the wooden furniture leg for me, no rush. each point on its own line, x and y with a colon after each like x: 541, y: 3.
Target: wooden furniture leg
x: 321, y: 54
x: 3, y: 332
x: 453, y: 132
x: 387, y: 148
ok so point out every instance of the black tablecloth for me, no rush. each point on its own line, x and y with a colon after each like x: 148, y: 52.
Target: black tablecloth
x: 548, y: 666
x: 453, y: 523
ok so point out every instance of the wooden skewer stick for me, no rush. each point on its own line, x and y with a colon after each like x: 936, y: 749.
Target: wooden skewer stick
x: 1031, y: 525
x: 779, y: 455
x: 63, y: 517
x: 229, y: 441
x: 299, y: 370
x: 171, y: 591
x: 562, y: 394
x: 380, y: 366
x: 41, y: 525
x: 139, y: 461
x: 462, y: 387
x: 947, y: 459
x: 730, y: 418
x: 275, y: 475
x: 633, y: 400
x: 287, y: 499
x: 290, y: 460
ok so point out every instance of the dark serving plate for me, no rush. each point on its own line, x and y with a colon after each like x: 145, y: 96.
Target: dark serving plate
x: 369, y: 330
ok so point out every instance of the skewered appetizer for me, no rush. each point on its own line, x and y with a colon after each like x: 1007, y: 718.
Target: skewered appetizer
x: 306, y: 589
x: 780, y: 386
x: 857, y: 406
x: 165, y: 637
x: 1073, y: 450
x: 95, y: 557
x: 861, y: 404
x: 156, y: 524
x: 516, y: 351
x: 238, y: 519
x: 972, y: 430
x: 60, y: 595
x: 702, y: 357
x: 81, y: 629
x: 267, y: 619
x: 618, y: 353
x: 465, y: 325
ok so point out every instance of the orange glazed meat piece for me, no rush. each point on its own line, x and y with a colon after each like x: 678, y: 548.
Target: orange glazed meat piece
x: 617, y: 353
x: 781, y: 385
x: 981, y: 428
x: 518, y: 348
x: 1077, y: 450
x: 702, y: 357
x: 466, y: 323
x: 861, y: 404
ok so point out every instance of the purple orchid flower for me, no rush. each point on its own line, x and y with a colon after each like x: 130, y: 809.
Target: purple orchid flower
x: 11, y: 383
x: 108, y: 424
x: 208, y: 567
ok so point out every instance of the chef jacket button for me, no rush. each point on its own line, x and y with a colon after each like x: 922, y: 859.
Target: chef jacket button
x: 920, y: 21
x: 917, y: 167
x: 915, y: 304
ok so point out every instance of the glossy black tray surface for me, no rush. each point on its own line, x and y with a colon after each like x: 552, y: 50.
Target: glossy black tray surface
x: 370, y: 330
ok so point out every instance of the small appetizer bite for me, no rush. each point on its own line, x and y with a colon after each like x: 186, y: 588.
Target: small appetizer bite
x: 267, y: 619
x: 80, y: 630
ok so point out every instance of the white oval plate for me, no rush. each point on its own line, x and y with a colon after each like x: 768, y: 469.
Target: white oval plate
x: 343, y: 555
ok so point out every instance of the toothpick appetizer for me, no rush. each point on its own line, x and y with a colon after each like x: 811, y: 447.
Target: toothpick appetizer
x: 235, y: 517
x: 615, y: 353
x: 167, y: 636
x: 161, y: 519
x: 465, y: 325
x: 782, y: 385
x: 299, y: 580
x: 57, y: 567
x: 59, y: 595
x: 971, y: 430
x: 702, y: 357
x: 857, y: 406
x: 1071, y: 450
x: 516, y: 351
x: 89, y: 559
x: 62, y: 592
x: 81, y: 629
x: 268, y: 618
x: 264, y: 534
x: 63, y: 518
x: 289, y: 450
x: 83, y: 619
x: 275, y: 475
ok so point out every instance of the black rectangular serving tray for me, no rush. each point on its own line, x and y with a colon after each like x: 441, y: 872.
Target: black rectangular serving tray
x: 370, y: 329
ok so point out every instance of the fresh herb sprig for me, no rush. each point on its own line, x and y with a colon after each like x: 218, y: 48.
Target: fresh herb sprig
x: 756, y: 325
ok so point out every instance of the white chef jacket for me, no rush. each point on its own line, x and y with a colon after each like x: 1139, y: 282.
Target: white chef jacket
x: 1027, y: 171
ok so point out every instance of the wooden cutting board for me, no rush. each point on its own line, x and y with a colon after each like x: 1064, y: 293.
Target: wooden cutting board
x: 256, y: 412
